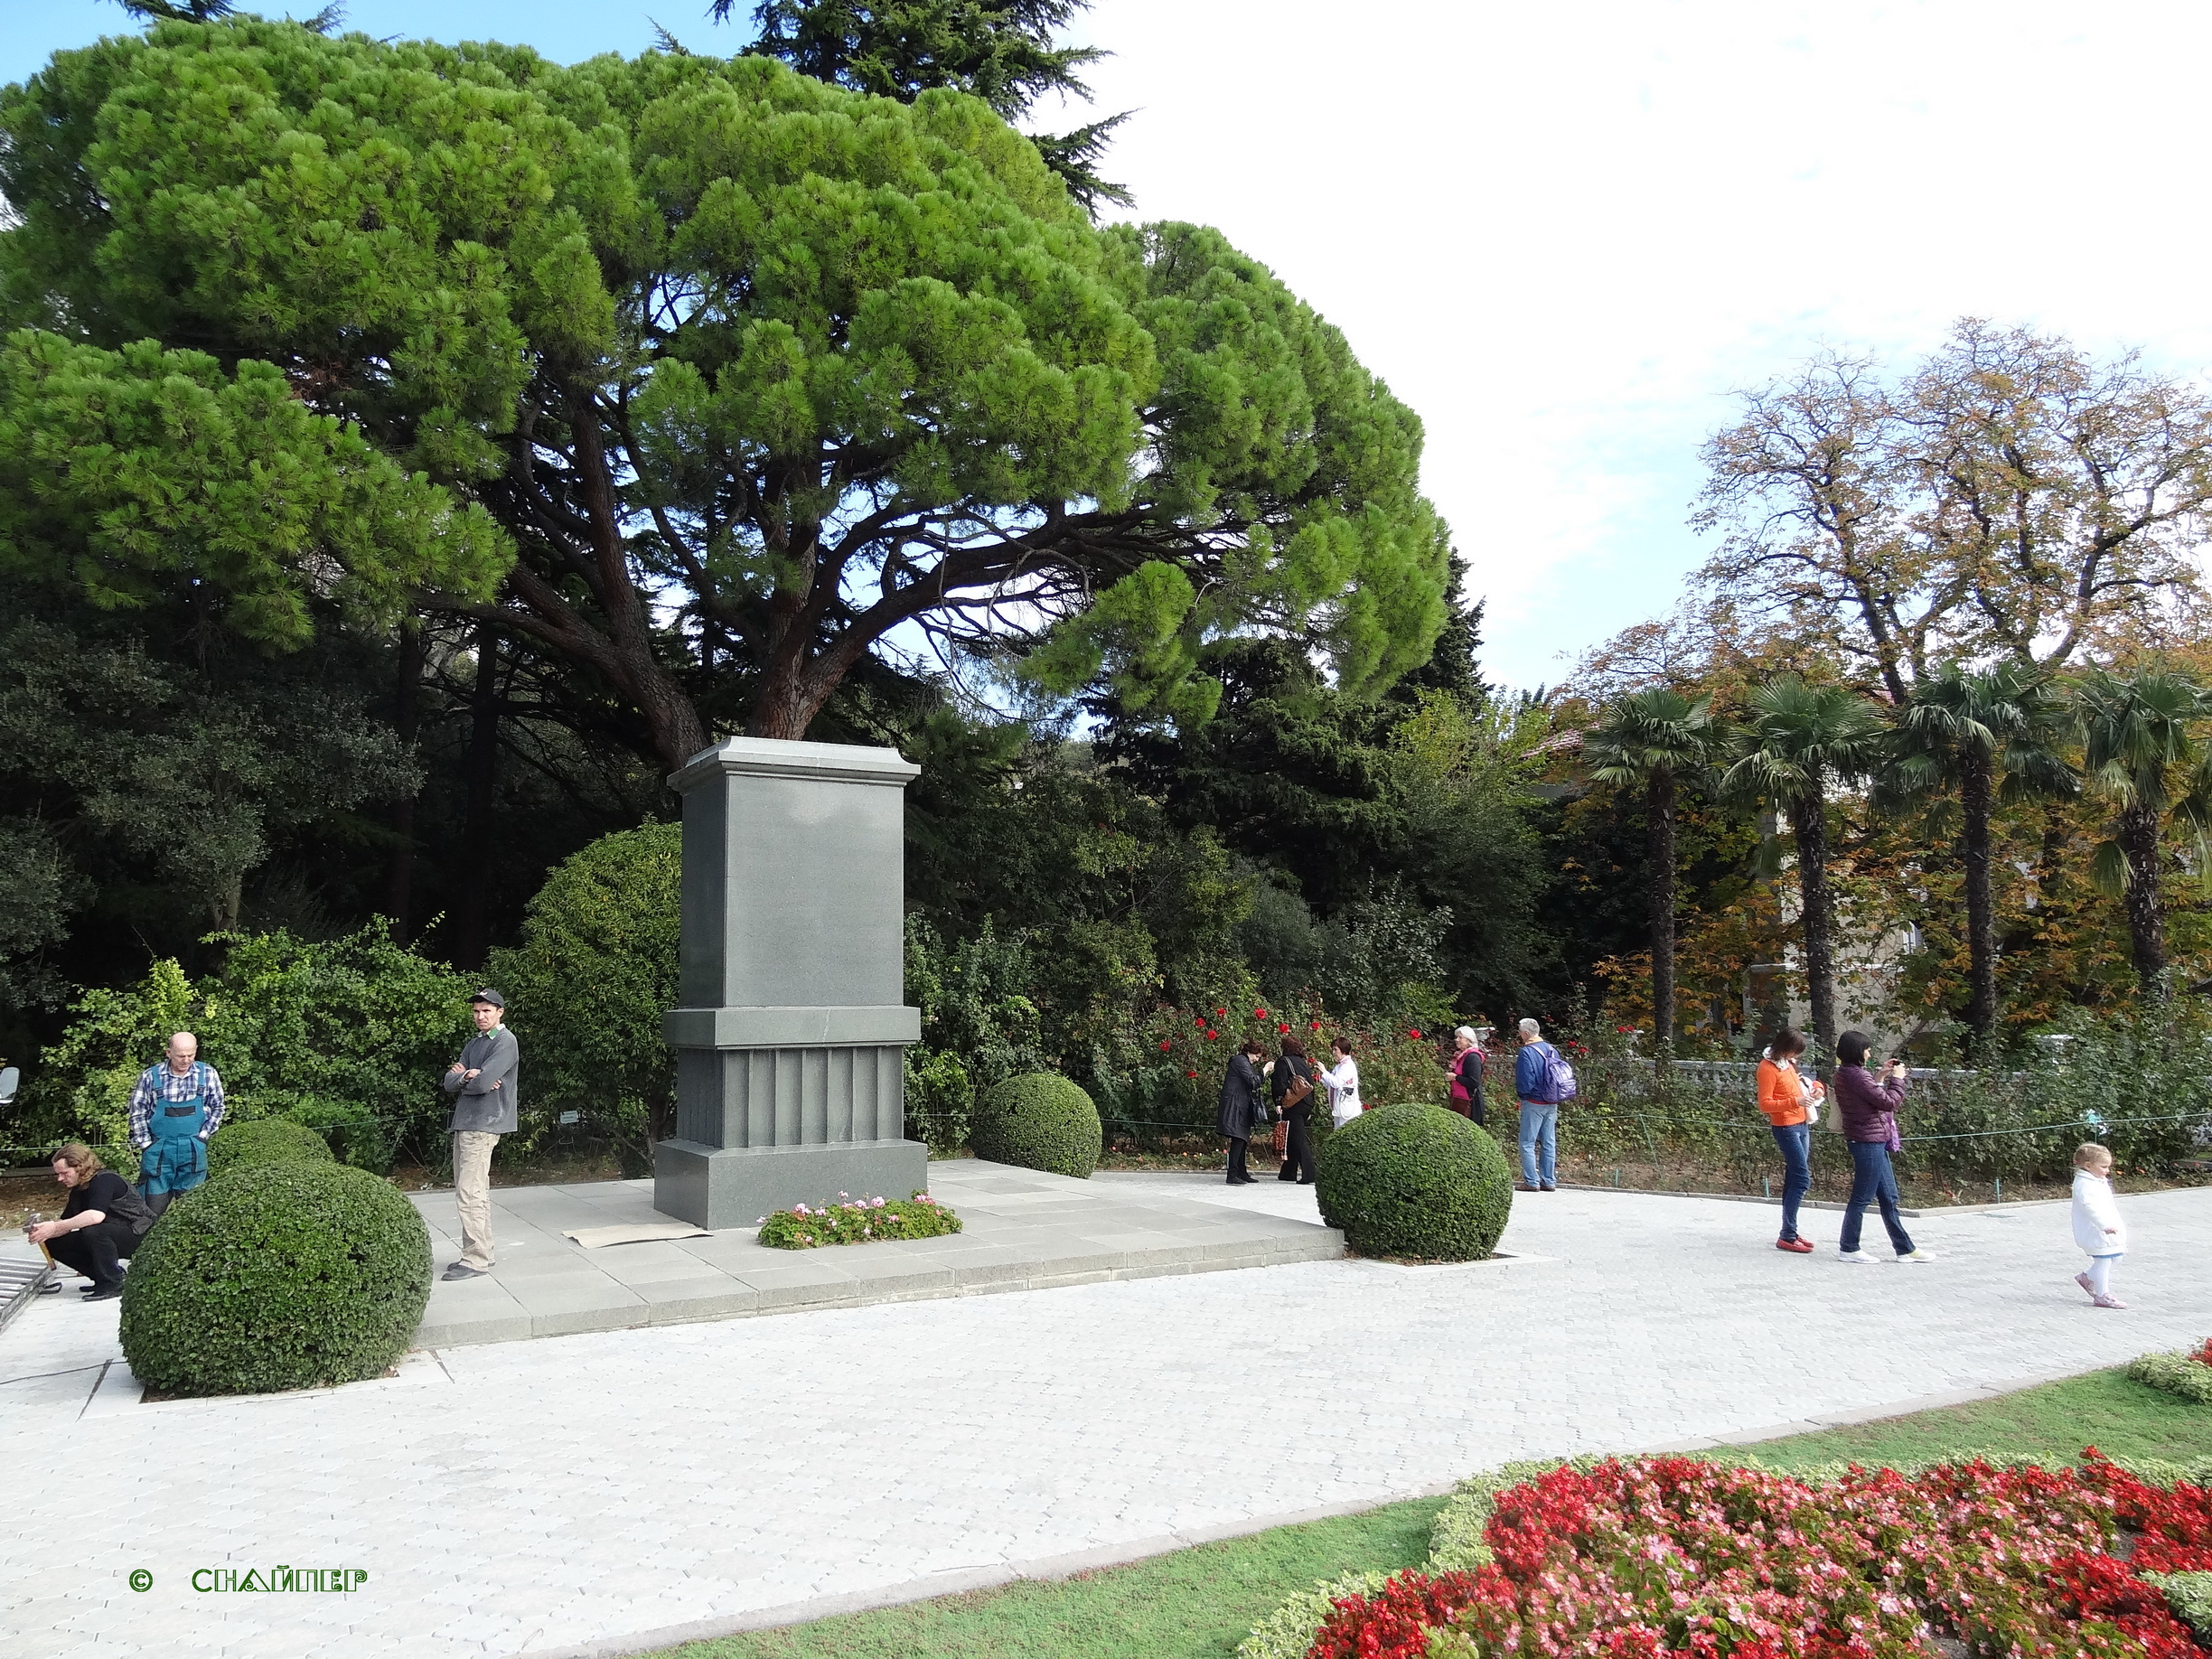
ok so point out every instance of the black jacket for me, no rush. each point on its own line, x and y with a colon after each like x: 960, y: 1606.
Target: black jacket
x: 1287, y: 1067
x: 1239, y: 1099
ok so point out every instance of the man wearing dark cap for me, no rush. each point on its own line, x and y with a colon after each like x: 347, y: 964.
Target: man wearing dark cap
x: 483, y: 1084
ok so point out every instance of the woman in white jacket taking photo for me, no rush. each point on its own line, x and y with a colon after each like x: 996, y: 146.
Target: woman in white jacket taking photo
x: 1344, y: 1084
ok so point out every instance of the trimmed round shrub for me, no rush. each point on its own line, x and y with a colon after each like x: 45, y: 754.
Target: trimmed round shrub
x: 1038, y: 1121
x: 1414, y: 1181
x: 277, y: 1275
x: 264, y: 1140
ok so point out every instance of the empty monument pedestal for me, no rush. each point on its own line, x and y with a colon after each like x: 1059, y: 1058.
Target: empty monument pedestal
x: 791, y: 1032
x: 720, y: 1187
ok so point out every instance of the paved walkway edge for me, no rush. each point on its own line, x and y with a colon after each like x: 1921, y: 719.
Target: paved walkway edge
x: 1047, y: 1273
x: 965, y: 1581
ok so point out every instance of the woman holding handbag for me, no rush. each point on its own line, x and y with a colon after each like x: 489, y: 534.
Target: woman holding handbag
x: 1791, y: 1107
x: 1291, y: 1084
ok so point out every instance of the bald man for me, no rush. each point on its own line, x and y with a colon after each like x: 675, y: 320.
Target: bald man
x: 177, y: 1105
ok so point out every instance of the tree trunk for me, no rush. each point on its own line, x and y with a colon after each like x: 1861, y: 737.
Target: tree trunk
x: 1981, y: 915
x: 406, y: 721
x: 1659, y: 828
x: 2139, y: 840
x: 786, y: 698
x: 473, y: 904
x: 1809, y: 824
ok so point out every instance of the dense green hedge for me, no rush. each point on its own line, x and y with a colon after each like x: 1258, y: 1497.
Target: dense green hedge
x: 1415, y: 1181
x: 1039, y: 1120
x: 266, y: 1141
x: 277, y: 1275
x: 354, y: 1134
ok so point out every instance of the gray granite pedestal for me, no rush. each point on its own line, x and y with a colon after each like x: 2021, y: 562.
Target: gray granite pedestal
x: 789, y: 1043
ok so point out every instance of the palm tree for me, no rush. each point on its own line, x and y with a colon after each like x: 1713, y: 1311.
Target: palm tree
x: 1798, y: 739
x: 2140, y: 752
x: 1653, y: 739
x: 1991, y: 734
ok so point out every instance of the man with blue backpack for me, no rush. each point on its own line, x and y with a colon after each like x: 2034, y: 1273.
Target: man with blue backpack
x: 1541, y: 1079
x: 176, y: 1107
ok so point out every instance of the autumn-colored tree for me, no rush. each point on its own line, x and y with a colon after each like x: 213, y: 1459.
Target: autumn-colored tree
x: 2008, y: 499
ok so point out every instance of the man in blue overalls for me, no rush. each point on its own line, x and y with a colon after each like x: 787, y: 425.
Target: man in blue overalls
x: 177, y: 1105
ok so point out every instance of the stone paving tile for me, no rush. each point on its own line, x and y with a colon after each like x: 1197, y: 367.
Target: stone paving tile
x: 601, y: 1489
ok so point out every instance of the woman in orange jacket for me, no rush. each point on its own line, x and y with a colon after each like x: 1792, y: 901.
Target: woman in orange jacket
x: 1785, y: 1098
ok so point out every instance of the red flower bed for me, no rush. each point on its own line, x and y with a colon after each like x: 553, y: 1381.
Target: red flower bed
x: 1667, y: 1555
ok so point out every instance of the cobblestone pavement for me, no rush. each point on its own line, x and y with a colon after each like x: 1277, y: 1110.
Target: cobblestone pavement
x: 601, y: 1492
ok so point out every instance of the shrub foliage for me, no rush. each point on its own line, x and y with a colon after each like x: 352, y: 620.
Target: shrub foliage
x: 270, y: 1140
x: 1039, y: 1120
x: 1415, y: 1181
x: 277, y: 1275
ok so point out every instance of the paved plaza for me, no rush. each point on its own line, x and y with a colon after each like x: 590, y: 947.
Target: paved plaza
x: 600, y: 1493
x: 1020, y: 1231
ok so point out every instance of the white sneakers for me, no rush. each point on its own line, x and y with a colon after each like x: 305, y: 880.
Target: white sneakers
x: 1916, y: 1255
x: 1853, y: 1255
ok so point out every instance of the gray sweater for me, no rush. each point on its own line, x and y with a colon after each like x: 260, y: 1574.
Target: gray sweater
x: 487, y: 1101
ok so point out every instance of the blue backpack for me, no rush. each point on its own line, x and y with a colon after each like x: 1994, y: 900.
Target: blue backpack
x: 1558, y: 1083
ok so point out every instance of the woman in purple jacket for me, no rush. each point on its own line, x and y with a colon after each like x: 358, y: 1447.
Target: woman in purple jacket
x: 1867, y: 1110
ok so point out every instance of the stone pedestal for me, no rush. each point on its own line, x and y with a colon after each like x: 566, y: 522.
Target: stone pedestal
x: 789, y: 1083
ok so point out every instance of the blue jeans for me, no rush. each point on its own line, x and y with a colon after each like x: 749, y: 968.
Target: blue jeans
x: 1539, y: 1143
x: 1872, y: 1181
x: 1796, y: 1144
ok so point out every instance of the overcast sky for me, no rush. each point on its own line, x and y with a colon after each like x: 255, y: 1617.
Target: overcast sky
x: 1564, y: 234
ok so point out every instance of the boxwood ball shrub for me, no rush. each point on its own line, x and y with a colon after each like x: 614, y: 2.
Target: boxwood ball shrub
x: 277, y: 1275
x: 1038, y: 1121
x: 266, y: 1141
x: 1415, y: 1181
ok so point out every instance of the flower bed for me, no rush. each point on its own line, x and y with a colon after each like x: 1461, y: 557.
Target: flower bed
x: 1645, y: 1556
x: 2189, y: 1375
x: 857, y: 1220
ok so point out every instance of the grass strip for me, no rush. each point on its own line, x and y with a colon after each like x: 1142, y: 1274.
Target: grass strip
x: 1198, y: 1604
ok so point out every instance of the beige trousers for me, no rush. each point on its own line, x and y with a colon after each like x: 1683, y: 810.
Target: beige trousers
x: 471, y: 1162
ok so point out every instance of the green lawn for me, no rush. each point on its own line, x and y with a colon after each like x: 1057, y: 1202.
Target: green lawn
x: 1197, y: 1604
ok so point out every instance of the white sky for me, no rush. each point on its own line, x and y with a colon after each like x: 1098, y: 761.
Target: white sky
x: 1564, y: 233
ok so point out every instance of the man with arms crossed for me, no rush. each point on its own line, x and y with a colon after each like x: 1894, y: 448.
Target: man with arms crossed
x: 483, y: 1084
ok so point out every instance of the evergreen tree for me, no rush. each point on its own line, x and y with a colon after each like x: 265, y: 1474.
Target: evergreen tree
x: 1652, y: 740
x: 1797, y: 741
x: 1990, y: 735
x: 2142, y: 751
x: 1002, y: 51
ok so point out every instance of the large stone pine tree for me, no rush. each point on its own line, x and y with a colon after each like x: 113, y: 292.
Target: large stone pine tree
x: 752, y: 371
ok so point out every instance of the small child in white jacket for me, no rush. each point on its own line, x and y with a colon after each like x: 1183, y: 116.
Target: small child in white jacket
x: 2097, y: 1226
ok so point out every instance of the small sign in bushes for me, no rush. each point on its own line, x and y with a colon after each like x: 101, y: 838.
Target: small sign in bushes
x: 857, y: 1221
